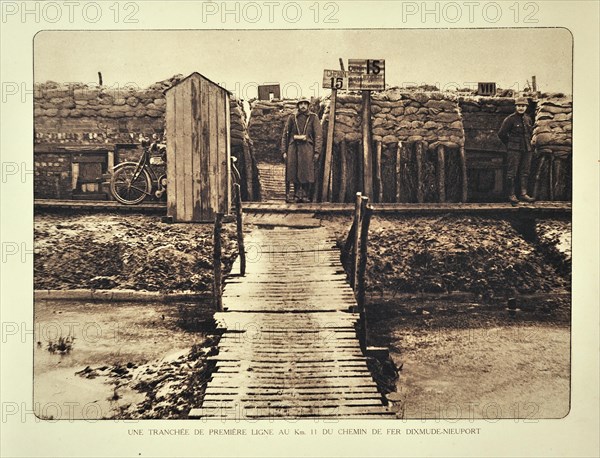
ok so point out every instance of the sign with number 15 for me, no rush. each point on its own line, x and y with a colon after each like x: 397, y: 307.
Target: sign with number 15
x: 366, y: 74
x: 335, y: 79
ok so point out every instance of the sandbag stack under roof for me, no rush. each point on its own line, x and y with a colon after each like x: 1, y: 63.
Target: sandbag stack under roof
x: 552, y: 136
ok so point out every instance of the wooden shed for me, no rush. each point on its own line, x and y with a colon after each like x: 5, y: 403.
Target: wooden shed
x: 198, y: 150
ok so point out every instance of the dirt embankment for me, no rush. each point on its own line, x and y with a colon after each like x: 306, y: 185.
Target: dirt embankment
x: 105, y: 251
x: 488, y: 257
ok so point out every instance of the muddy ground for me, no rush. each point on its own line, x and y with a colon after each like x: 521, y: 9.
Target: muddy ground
x: 443, y: 254
x: 472, y: 360
x: 466, y: 359
x: 108, y: 251
x: 122, y: 360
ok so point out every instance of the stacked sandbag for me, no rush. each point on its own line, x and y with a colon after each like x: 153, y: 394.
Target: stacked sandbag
x: 267, y: 120
x: 77, y: 113
x: 403, y: 116
x: 242, y: 150
x: 552, y: 137
x: 421, y: 122
x: 482, y: 118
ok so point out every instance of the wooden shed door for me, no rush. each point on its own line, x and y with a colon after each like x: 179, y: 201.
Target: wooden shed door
x: 197, y: 150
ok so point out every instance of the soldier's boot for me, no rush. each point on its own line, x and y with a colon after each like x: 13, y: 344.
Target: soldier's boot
x: 523, y: 196
x: 510, y: 185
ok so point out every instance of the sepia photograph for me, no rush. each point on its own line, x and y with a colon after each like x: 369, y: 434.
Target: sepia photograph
x: 299, y: 228
x: 248, y: 224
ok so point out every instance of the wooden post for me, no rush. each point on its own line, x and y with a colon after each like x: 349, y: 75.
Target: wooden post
x: 534, y: 83
x: 240, y: 229
x: 359, y: 167
x: 217, y: 289
x: 355, y: 253
x: 399, y: 172
x: 367, y: 144
x: 362, y: 259
x: 441, y: 173
x: 379, y: 183
x: 551, y: 177
x: 343, y: 172
x: 326, y: 183
x: 537, y: 176
x: 248, y: 170
x: 556, y: 174
x: 362, y: 270
x: 420, y: 179
x: 463, y: 169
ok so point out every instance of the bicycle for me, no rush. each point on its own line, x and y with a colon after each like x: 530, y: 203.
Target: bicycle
x: 132, y: 182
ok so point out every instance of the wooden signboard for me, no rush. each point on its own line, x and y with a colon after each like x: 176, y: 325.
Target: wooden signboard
x: 366, y: 74
x: 335, y: 79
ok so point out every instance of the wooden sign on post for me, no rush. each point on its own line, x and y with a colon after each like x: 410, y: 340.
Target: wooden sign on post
x: 335, y: 79
x: 366, y: 74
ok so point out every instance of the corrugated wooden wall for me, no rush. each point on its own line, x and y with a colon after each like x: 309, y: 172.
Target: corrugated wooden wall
x: 198, y: 150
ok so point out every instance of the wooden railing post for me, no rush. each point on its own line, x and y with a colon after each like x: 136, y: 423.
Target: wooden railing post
x: 463, y: 170
x: 441, y: 173
x: 378, y: 181
x: 399, y: 172
x: 365, y: 212
x: 355, y: 253
x: 367, y: 144
x: 362, y: 269
x: 326, y: 183
x: 537, y: 176
x: 240, y: 229
x: 343, y: 172
x: 217, y: 274
x: 420, y: 172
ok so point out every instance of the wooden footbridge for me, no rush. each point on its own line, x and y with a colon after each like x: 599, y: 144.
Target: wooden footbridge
x: 290, y: 347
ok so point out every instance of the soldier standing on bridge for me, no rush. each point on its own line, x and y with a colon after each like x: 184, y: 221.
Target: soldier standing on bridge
x: 515, y: 133
x: 300, y: 146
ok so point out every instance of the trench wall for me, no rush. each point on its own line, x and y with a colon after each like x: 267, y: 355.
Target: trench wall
x: 75, y: 119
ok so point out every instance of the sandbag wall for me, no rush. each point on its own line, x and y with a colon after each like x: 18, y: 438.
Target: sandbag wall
x: 267, y: 120
x: 79, y: 115
x: 417, y: 151
x: 552, y: 169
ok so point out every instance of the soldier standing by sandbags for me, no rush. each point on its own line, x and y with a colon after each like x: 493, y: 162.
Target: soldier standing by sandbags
x: 515, y: 133
x: 300, y: 146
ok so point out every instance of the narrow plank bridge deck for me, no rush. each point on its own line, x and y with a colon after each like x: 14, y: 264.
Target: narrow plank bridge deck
x: 289, y: 347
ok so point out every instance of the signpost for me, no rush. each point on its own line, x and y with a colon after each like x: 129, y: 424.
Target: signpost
x: 363, y: 75
x: 334, y: 80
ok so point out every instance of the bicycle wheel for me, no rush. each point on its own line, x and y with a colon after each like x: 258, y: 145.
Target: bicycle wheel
x: 128, y: 188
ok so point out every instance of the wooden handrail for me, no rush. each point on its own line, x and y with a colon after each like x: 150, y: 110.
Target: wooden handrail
x: 240, y: 228
x: 217, y: 273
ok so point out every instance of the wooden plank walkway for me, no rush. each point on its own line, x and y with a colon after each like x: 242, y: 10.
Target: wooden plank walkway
x: 272, y: 181
x: 289, y: 347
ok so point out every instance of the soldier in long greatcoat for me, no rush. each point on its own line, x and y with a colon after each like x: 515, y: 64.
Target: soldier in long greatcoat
x: 515, y: 133
x: 300, y: 146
